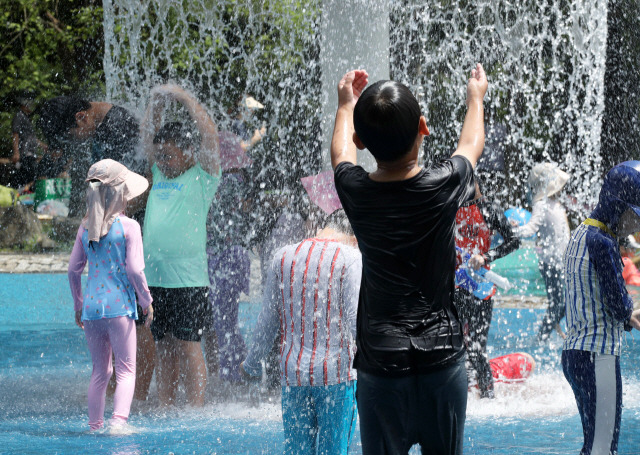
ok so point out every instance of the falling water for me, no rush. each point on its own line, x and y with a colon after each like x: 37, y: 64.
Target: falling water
x: 355, y: 34
x: 545, y: 62
x: 266, y: 49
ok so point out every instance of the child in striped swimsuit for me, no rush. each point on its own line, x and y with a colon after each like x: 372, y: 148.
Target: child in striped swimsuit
x: 599, y: 308
x: 311, y: 298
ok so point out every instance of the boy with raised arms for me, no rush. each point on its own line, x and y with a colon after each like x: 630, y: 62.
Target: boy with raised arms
x: 186, y: 171
x: 412, y: 382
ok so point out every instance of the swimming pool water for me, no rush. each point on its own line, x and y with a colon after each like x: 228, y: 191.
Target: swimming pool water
x: 45, y: 369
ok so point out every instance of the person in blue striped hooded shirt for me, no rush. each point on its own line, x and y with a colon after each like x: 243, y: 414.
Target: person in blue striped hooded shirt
x: 599, y: 308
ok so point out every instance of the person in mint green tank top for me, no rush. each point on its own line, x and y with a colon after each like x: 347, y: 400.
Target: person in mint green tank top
x: 185, y: 168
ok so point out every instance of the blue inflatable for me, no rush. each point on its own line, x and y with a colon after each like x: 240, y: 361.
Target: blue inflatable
x: 519, y: 215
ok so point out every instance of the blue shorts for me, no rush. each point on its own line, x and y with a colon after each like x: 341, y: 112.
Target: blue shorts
x: 319, y: 416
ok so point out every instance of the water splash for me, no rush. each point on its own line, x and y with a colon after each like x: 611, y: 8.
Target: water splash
x: 221, y: 51
x: 546, y: 64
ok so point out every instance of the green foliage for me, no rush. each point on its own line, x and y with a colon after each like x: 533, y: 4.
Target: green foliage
x: 223, y: 48
x: 50, y: 48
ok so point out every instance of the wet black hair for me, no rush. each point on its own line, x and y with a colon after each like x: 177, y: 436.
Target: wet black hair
x: 386, y: 119
x: 338, y: 221
x: 181, y: 134
x: 58, y: 116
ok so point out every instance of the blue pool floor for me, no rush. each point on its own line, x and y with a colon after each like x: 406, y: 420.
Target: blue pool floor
x: 45, y: 369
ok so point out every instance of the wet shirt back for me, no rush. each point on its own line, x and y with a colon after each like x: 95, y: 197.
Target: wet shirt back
x: 407, y: 323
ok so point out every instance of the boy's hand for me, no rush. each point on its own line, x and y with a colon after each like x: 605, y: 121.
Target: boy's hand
x: 79, y: 319
x: 477, y: 85
x: 351, y: 87
x: 148, y: 311
x: 634, y: 321
x: 476, y: 261
x: 168, y: 92
x: 167, y: 89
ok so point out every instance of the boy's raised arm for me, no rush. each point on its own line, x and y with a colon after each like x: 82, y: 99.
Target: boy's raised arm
x: 350, y: 87
x: 151, y: 124
x: 209, y: 154
x: 471, y: 142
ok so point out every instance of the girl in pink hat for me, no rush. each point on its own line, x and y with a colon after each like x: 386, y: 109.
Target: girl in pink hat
x: 112, y: 244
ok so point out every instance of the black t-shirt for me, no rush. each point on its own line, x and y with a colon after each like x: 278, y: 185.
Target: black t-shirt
x: 407, y: 322
x: 116, y: 137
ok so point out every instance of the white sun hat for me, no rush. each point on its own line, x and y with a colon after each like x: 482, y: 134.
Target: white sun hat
x: 251, y: 103
x: 546, y: 179
x: 113, y: 173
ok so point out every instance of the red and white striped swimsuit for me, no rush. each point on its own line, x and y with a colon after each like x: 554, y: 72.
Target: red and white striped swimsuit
x: 312, y: 293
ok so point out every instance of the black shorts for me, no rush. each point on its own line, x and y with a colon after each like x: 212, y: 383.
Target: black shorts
x: 179, y: 311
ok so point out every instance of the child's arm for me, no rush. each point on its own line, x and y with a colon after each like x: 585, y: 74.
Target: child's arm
x: 268, y: 325
x: 349, y: 89
x: 497, y: 221
x: 209, y: 154
x: 77, y: 261
x: 151, y: 124
x: 533, y: 226
x: 471, y: 142
x: 605, y: 257
x: 135, y: 266
x: 351, y: 293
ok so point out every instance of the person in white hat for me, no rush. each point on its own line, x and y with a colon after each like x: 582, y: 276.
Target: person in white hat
x: 112, y: 244
x: 549, y: 222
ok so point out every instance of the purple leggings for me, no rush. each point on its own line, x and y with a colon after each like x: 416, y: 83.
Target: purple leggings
x: 229, y: 276
x: 103, y: 336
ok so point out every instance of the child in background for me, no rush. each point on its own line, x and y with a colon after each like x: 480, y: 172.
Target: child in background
x: 112, y: 243
x: 229, y: 229
x: 549, y: 222
x: 475, y: 223
x: 412, y: 381
x: 599, y: 308
x: 311, y: 296
x: 186, y: 172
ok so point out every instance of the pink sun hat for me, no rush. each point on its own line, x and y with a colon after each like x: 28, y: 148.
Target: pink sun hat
x: 321, y: 189
x: 111, y: 186
x: 232, y: 155
x: 114, y: 174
